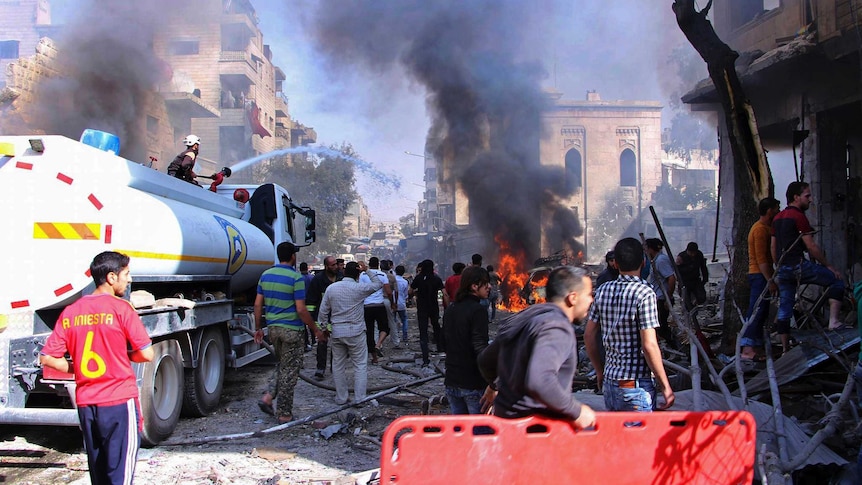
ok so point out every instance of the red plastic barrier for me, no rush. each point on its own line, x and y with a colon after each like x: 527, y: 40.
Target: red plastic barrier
x: 713, y: 447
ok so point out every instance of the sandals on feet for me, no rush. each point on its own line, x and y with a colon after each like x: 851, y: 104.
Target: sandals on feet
x: 267, y: 408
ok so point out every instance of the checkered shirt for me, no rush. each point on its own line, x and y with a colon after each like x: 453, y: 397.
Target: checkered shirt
x: 622, y: 308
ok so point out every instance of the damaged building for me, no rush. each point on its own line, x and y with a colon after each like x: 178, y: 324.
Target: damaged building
x: 800, y: 68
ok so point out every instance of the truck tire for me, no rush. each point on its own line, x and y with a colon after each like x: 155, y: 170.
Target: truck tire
x: 161, y: 392
x: 204, y: 383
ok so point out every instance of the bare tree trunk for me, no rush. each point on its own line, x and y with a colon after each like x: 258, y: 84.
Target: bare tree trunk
x: 752, y: 178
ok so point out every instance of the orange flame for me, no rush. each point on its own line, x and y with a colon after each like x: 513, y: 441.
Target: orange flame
x: 513, y: 272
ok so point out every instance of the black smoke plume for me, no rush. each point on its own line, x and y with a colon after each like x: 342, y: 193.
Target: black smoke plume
x: 107, y: 73
x: 478, y: 66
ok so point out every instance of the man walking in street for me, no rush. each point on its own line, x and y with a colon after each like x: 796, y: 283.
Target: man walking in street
x: 625, y: 313
x: 465, y: 325
x: 103, y: 334
x: 375, y: 309
x: 386, y: 267
x: 453, y: 282
x: 313, y: 297
x: 426, y: 285
x: 760, y: 272
x: 281, y: 298
x: 532, y: 361
x: 694, y: 275
x: 792, y: 237
x: 661, y: 270
x: 402, y: 289
x: 343, y: 310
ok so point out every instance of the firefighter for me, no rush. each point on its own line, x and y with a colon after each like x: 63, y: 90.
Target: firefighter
x: 182, y: 166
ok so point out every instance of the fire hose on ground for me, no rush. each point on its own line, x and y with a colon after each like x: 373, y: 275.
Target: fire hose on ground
x: 291, y: 424
x: 322, y: 414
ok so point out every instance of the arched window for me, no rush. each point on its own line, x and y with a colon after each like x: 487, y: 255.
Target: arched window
x: 628, y: 169
x: 574, y: 179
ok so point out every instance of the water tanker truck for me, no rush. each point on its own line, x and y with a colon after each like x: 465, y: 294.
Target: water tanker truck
x: 198, y: 253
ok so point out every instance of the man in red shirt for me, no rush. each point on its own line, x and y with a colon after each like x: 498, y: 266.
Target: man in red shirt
x: 96, y: 332
x: 453, y: 282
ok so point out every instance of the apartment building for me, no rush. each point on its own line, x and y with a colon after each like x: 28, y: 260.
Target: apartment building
x: 224, y: 86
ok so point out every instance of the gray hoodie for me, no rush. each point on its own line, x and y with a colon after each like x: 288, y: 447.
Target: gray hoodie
x: 533, y: 360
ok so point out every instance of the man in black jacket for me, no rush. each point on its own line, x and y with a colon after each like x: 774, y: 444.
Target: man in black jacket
x: 313, y: 297
x: 694, y: 274
x: 465, y: 326
x: 534, y: 357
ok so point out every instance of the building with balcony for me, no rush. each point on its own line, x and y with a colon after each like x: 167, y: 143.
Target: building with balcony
x: 800, y: 70
x: 225, y: 87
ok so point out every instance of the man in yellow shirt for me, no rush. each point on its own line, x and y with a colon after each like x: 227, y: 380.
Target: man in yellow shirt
x: 760, y: 271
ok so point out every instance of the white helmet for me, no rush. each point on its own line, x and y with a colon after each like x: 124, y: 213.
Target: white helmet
x: 191, y: 140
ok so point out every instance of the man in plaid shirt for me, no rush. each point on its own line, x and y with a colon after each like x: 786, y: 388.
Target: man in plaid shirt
x: 625, y: 311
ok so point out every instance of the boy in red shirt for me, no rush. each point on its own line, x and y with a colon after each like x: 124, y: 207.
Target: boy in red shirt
x: 96, y: 332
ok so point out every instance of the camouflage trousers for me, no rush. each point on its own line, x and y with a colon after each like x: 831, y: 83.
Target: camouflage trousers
x: 289, y: 346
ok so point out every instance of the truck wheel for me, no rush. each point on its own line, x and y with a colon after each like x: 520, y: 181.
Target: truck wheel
x: 204, y: 383
x: 161, y: 392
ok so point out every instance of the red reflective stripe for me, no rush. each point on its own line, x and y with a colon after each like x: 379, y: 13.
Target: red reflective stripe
x: 109, y: 231
x: 23, y: 165
x: 63, y: 289
x: 20, y: 304
x: 93, y: 200
x: 64, y: 178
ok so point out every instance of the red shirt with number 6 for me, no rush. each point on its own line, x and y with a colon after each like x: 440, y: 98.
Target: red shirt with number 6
x: 97, y: 331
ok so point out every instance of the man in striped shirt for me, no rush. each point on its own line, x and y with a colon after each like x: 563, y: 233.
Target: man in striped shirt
x: 281, y: 293
x: 625, y: 312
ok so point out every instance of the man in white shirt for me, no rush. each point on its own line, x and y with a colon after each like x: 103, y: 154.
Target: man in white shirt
x: 343, y: 309
x: 375, y: 308
x: 403, y: 287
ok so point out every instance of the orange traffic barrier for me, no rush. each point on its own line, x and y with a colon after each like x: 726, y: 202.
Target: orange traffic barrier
x: 713, y: 447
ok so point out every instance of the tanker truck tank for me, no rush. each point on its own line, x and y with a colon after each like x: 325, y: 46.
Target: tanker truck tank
x: 72, y: 201
x: 67, y: 201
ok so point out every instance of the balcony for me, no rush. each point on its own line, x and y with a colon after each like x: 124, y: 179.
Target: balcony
x: 237, y: 68
x: 187, y: 105
x: 281, y: 109
x: 240, y: 23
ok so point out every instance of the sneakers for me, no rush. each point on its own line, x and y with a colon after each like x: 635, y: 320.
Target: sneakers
x: 318, y: 376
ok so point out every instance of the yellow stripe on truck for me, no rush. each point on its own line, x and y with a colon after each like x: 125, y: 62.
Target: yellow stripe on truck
x: 67, y: 230
x: 183, y: 257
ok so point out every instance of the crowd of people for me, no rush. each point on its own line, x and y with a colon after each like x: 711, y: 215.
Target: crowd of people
x: 527, y: 368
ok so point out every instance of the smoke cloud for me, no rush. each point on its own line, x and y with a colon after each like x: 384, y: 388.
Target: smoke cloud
x: 483, y: 78
x: 109, y: 72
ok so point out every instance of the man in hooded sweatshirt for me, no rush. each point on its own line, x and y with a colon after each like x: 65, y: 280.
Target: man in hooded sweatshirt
x: 532, y: 361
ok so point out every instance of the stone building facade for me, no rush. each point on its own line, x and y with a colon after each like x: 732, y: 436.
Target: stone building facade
x: 611, y: 155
